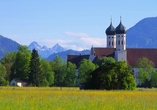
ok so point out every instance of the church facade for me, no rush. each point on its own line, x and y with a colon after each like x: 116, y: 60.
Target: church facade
x: 116, y: 48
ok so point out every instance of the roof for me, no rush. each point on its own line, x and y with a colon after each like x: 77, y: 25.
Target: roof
x: 104, y: 52
x: 76, y: 58
x: 133, y: 55
x: 110, y: 30
x: 120, y: 29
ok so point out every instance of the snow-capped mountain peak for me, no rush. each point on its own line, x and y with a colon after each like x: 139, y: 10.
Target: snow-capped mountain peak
x: 44, y: 51
x: 35, y: 45
x: 57, y: 48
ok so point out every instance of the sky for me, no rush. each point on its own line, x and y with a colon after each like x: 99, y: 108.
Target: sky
x: 73, y: 24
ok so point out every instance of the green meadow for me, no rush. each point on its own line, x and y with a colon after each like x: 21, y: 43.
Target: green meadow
x: 34, y: 98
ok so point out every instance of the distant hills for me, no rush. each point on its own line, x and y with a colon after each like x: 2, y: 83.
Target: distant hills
x: 141, y: 35
x: 64, y: 54
x: 7, y: 45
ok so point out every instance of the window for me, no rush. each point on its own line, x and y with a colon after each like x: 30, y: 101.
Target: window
x: 112, y: 42
x: 122, y: 42
x: 118, y: 42
x: 109, y: 43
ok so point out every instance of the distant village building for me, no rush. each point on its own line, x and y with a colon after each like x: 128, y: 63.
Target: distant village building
x: 116, y: 48
x: 17, y: 82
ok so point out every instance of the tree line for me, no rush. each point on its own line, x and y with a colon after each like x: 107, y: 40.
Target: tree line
x: 28, y: 66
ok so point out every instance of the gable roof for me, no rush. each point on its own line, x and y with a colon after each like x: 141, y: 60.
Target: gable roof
x: 104, y: 52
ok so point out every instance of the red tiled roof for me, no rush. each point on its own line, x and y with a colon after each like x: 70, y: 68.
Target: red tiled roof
x: 133, y: 55
x: 104, y: 52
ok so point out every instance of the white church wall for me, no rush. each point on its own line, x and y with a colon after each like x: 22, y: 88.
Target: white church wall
x: 121, y: 55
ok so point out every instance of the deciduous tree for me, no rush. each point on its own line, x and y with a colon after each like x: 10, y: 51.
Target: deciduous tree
x: 146, y: 69
x: 47, y: 71
x: 20, y: 68
x: 117, y: 76
x: 8, y: 61
x: 70, y: 78
x: 85, y: 68
x: 2, y: 75
x: 105, y: 60
x: 59, y: 68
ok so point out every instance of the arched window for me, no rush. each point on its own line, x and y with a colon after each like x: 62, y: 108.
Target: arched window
x: 109, y: 43
x: 118, y: 42
x: 122, y: 42
x: 112, y: 42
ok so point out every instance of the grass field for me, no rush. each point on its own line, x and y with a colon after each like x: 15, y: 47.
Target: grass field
x: 29, y: 98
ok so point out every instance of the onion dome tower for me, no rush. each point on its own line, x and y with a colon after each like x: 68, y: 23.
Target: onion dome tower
x: 120, y: 36
x: 111, y: 36
x: 120, y: 53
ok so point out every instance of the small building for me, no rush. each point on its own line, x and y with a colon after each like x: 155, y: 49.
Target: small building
x: 18, y: 82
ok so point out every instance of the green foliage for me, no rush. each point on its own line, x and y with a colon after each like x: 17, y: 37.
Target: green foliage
x: 153, y: 81
x: 59, y: 68
x: 20, y: 68
x: 145, y: 63
x: 116, y: 76
x: 85, y: 68
x: 146, y: 72
x: 37, y: 76
x: 142, y: 76
x: 105, y: 60
x: 47, y: 71
x: 8, y: 61
x: 2, y: 75
x: 70, y: 79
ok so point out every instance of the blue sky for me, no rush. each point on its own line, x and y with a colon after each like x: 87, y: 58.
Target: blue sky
x: 74, y: 24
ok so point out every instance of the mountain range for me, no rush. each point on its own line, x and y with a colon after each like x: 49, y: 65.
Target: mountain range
x: 44, y: 51
x: 51, y: 53
x: 142, y: 35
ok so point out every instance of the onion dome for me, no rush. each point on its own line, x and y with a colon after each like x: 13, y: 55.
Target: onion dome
x: 120, y: 29
x: 110, y: 30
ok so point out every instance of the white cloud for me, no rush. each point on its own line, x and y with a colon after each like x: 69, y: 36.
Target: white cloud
x: 86, y: 40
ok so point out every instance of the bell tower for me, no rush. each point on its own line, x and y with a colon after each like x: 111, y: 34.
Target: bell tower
x: 120, y: 53
x: 111, y: 36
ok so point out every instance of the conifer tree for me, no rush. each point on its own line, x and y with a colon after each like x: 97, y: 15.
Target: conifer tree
x: 36, y: 76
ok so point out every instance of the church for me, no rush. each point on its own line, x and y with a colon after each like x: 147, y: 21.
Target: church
x: 116, y: 48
